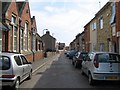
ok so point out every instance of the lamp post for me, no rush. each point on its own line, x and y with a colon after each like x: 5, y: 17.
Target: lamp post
x: 44, y: 30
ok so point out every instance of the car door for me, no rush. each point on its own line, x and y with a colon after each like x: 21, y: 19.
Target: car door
x: 26, y: 68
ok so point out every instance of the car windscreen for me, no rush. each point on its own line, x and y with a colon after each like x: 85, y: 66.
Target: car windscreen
x: 104, y: 57
x: 82, y: 55
x: 4, y: 63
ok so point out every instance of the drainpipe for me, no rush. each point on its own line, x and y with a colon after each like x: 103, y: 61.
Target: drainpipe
x: 19, y: 34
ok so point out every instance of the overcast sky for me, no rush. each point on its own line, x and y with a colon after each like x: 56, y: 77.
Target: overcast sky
x: 64, y: 18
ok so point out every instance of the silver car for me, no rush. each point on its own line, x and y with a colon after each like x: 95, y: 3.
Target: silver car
x: 102, y: 66
x: 14, y: 68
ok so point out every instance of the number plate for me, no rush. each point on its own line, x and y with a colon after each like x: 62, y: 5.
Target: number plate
x: 112, y: 78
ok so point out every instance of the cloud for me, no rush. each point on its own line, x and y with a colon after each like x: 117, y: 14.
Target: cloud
x: 65, y: 20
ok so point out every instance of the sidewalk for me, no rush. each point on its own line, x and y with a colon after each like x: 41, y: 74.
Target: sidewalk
x: 40, y: 63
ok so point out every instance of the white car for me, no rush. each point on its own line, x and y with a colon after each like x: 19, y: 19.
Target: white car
x: 14, y: 68
x: 102, y: 66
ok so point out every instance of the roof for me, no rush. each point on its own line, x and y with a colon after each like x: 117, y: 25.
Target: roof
x: 20, y: 7
x: 5, y: 6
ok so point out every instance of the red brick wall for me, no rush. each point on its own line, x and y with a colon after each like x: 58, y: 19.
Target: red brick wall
x: 87, y: 37
x: 29, y: 57
x: 11, y: 10
x: 38, y: 55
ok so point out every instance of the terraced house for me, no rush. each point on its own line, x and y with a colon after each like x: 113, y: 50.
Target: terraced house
x: 102, y: 33
x: 21, y: 32
x: 104, y: 38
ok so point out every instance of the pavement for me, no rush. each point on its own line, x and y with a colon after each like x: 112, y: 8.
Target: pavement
x: 40, y: 63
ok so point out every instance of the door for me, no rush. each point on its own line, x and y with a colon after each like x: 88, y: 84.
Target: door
x: 26, y: 68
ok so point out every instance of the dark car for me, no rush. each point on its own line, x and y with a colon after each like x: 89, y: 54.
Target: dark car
x: 72, y: 54
x: 78, y: 58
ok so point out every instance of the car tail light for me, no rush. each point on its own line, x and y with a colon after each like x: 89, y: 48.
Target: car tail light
x: 96, y: 63
x: 8, y: 76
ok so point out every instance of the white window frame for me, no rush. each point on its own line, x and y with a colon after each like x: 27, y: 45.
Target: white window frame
x: 13, y: 19
x: 26, y: 36
x: 113, y: 30
x: 15, y: 38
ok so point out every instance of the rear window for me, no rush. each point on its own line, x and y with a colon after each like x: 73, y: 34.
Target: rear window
x: 4, y: 63
x: 82, y: 55
x: 108, y: 57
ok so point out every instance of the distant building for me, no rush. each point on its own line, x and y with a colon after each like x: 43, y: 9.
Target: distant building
x: 61, y: 46
x: 49, y: 42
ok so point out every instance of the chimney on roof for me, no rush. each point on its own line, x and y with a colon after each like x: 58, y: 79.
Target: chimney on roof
x: 48, y: 32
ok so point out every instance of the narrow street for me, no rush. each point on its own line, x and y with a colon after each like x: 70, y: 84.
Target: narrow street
x: 59, y: 73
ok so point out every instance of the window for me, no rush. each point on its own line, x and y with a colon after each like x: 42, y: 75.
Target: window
x: 24, y: 60
x: 18, y: 61
x: 102, y: 46
x: 0, y: 40
x: 26, y: 37
x: 94, y: 27
x: 13, y: 19
x: 4, y: 63
x: 11, y: 38
x: 26, y: 28
x: 101, y: 22
x: 15, y: 38
x: 112, y: 21
x: 113, y: 30
x: 22, y: 35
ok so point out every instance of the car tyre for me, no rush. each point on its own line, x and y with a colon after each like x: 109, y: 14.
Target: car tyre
x: 82, y: 72
x: 76, y: 64
x: 16, y: 85
x: 90, y: 79
x: 30, y: 75
x: 72, y: 62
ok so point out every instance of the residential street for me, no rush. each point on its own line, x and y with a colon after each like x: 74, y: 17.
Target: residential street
x: 58, y: 72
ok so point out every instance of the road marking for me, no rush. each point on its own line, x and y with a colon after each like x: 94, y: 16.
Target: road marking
x: 39, y: 67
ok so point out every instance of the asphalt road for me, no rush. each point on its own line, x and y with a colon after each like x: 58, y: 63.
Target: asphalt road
x: 58, y: 72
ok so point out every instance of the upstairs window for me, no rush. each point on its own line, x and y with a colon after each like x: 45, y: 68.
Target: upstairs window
x: 112, y: 21
x: 13, y: 19
x: 94, y: 27
x: 101, y: 22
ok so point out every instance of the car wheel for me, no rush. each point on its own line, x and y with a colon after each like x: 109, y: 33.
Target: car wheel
x: 90, y: 79
x: 16, y: 85
x: 82, y: 72
x: 76, y: 64
x: 72, y: 62
x: 30, y: 75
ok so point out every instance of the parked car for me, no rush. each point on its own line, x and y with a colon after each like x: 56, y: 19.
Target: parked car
x: 71, y: 54
x: 102, y: 66
x: 15, y: 68
x: 78, y: 58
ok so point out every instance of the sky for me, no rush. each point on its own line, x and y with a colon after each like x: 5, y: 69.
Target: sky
x: 64, y: 18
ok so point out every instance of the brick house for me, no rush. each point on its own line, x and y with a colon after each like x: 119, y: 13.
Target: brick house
x: 50, y: 42
x: 115, y: 25
x: 10, y: 18
x: 93, y: 34
x: 118, y: 23
x: 87, y: 37
x: 104, y: 38
x: 22, y: 34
